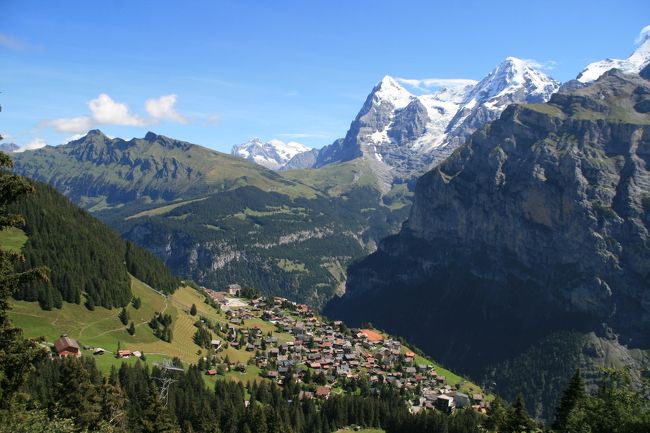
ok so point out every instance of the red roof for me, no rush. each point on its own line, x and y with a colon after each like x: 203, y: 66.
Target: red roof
x: 323, y: 391
x: 66, y: 344
x: 372, y: 335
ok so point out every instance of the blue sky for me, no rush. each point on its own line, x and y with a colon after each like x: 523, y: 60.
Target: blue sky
x: 218, y: 73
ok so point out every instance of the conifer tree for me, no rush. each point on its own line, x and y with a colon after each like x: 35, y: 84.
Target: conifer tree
x: 17, y: 354
x: 193, y: 310
x: 572, y: 397
x: 131, y: 329
x: 124, y: 316
x: 518, y: 419
x: 154, y: 417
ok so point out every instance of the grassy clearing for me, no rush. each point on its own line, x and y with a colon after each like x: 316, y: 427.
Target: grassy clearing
x: 12, y: 239
x: 336, y: 179
x: 102, y: 327
x: 163, y: 209
x: 290, y: 265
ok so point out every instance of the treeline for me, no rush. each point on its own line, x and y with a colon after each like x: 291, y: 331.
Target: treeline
x: 146, y: 267
x: 129, y: 400
x: 85, y: 257
x: 251, y: 221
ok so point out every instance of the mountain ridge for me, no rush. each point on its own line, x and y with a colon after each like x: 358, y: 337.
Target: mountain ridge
x: 536, y: 226
x: 402, y: 135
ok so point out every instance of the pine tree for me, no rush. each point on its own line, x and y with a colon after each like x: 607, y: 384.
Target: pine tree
x: 154, y: 417
x: 17, y: 355
x: 137, y: 303
x: 497, y: 416
x: 193, y: 310
x: 78, y: 397
x: 124, y: 316
x: 572, y: 397
x: 131, y: 329
x: 518, y: 419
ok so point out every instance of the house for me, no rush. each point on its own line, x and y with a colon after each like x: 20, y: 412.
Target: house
x: 211, y: 372
x: 445, y: 403
x: 233, y: 289
x: 372, y: 336
x: 66, y: 346
x: 124, y: 354
x: 323, y: 392
x: 216, y: 344
x: 99, y: 351
x: 461, y: 400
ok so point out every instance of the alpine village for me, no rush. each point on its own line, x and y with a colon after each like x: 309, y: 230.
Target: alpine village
x: 453, y: 255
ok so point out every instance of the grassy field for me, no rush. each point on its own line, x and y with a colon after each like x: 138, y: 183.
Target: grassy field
x: 102, y: 327
x: 336, y: 179
x: 12, y: 239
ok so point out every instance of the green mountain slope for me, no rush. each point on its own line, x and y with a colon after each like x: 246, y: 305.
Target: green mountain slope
x: 99, y: 172
x: 220, y: 219
x: 88, y: 261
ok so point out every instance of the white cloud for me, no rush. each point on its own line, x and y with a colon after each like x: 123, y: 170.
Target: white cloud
x: 163, y: 109
x: 108, y: 112
x: 643, y: 35
x: 544, y: 66
x: 36, y: 143
x: 12, y: 43
x: 75, y: 137
x: 428, y: 83
x: 75, y: 125
x: 213, y: 119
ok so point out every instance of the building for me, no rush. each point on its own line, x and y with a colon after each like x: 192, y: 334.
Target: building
x: 372, y: 336
x: 234, y: 289
x: 66, y: 346
x: 445, y: 403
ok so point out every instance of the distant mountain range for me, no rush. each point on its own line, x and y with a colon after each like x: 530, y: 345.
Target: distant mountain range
x: 403, y: 135
x: 274, y: 154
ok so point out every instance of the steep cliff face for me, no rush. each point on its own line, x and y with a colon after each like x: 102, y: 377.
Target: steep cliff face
x: 538, y: 224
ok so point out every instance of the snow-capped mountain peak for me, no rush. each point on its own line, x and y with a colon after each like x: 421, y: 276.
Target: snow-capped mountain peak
x: 509, y: 77
x: 641, y: 56
x: 633, y: 64
x: 388, y: 89
x: 273, y: 154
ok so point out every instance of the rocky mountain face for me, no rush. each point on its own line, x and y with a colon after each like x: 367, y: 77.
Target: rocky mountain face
x: 302, y: 160
x: 274, y: 154
x: 403, y: 134
x: 538, y: 226
x: 633, y: 64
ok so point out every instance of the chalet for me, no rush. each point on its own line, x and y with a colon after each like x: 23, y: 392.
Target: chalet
x: 124, y: 353
x: 323, y: 392
x: 211, y: 372
x: 66, y: 346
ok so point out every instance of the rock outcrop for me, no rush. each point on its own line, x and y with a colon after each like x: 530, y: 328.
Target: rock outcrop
x: 538, y: 224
